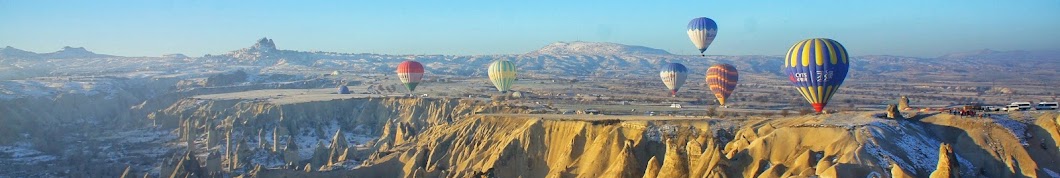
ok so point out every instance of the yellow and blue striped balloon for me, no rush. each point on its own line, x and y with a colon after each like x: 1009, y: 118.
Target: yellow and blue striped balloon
x: 502, y: 74
x: 817, y: 67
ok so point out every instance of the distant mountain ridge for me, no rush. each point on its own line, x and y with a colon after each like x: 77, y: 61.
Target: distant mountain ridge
x: 265, y: 47
x: 576, y: 58
x: 596, y: 48
x: 65, y: 53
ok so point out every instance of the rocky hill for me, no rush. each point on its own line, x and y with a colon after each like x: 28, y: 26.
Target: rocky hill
x: 300, y: 133
x: 459, y: 138
x: 177, y: 115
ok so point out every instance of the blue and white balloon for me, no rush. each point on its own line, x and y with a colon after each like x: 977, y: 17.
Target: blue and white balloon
x: 702, y: 31
x: 673, y: 76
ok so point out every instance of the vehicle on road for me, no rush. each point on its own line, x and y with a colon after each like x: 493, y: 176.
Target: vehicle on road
x: 1019, y: 106
x: 1046, y: 106
x: 1012, y: 107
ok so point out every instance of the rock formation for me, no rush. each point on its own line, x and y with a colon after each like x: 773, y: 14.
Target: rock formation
x: 464, y: 138
x: 652, y: 171
x: 947, y: 166
x: 893, y: 112
x: 903, y: 103
x: 898, y: 172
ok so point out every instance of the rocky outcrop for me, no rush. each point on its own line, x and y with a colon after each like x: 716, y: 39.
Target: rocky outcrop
x: 903, y: 103
x: 898, y: 172
x: 306, y: 133
x: 652, y: 171
x: 947, y: 166
x: 893, y: 112
x: 465, y: 138
x: 675, y: 163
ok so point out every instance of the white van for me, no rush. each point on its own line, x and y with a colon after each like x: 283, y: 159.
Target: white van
x: 1011, y: 107
x: 1046, y: 106
x: 1020, y: 106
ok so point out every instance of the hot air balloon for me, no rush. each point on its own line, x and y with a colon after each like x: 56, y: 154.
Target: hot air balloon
x: 410, y: 73
x: 502, y: 74
x: 343, y: 90
x: 722, y: 78
x: 817, y: 67
x: 702, y: 31
x: 674, y: 75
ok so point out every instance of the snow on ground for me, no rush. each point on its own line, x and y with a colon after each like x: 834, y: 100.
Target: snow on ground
x: 660, y: 132
x: 140, y: 136
x: 22, y: 153
x: 13, y: 89
x: 267, y: 160
x: 330, y: 129
x: 307, y: 140
x: 917, y: 151
x: 1017, y: 128
x: 358, y: 140
x: 1050, y: 172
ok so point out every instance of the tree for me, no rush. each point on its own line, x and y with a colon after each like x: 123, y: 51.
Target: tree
x: 785, y: 112
x: 768, y: 114
x: 805, y: 111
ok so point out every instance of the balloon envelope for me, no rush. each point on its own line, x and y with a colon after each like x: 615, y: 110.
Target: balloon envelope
x: 702, y: 31
x: 817, y: 67
x: 673, y: 76
x: 410, y: 73
x: 343, y: 90
x: 502, y: 74
x: 722, y: 78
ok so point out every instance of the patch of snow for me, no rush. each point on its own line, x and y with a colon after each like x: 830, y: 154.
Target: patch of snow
x: 920, y: 152
x: 1050, y: 172
x: 1017, y: 128
x: 23, y: 153
x: 266, y: 160
x: 658, y: 133
x: 306, y: 140
x: 48, y: 87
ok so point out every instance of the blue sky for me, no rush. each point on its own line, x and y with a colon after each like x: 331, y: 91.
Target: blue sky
x: 152, y: 28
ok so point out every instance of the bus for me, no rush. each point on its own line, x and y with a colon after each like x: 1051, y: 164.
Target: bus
x: 1019, y: 106
x: 1046, y: 106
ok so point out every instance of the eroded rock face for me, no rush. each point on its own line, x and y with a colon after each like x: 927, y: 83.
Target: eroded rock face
x: 395, y: 137
x: 534, y: 147
x: 292, y: 135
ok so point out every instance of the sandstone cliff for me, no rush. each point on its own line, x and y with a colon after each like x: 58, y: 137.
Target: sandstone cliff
x: 414, y: 137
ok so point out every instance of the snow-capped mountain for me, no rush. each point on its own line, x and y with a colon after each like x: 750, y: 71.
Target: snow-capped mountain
x: 558, y: 59
x: 596, y: 48
x: 72, y: 52
x: 11, y: 52
x: 65, y: 53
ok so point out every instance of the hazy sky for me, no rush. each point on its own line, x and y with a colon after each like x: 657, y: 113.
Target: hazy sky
x: 151, y: 28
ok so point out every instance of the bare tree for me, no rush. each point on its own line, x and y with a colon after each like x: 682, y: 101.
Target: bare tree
x: 805, y: 111
x: 712, y: 111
